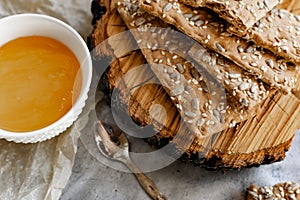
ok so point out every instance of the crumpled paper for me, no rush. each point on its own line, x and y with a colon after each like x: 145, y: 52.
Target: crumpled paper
x: 41, y: 171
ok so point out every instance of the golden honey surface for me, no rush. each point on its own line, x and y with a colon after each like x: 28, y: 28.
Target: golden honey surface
x: 40, y: 78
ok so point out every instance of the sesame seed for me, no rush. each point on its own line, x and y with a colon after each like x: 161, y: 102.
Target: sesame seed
x: 207, y: 123
x: 140, y: 21
x: 249, y: 49
x: 192, y: 23
x: 200, y: 122
x: 270, y: 63
x: 190, y: 121
x: 254, y: 88
x: 175, y: 77
x: 240, y: 49
x: 266, y: 3
x: 188, y: 15
x: 195, y: 104
x: 180, y: 68
x: 234, y: 76
x: 167, y: 7
x: 188, y: 88
x: 244, y: 86
x: 190, y: 114
x: 254, y: 64
x: 199, y: 23
x: 176, y: 91
x: 204, y: 115
x: 220, y: 47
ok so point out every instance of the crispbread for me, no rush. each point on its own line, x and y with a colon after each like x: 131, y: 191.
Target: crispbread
x: 278, y: 31
x: 248, y: 90
x: 242, y: 14
x: 209, y: 30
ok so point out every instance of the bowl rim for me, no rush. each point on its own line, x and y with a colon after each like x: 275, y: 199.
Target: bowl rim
x: 79, y: 103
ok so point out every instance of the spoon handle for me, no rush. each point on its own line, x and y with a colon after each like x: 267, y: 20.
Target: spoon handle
x: 145, y: 182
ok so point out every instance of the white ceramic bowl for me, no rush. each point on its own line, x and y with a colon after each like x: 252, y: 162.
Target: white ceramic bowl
x: 21, y: 25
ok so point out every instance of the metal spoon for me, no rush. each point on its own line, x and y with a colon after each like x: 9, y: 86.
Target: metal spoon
x: 117, y: 148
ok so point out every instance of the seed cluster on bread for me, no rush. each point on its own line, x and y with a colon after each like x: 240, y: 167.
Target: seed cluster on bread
x: 288, y: 191
x: 208, y: 29
x: 241, y: 13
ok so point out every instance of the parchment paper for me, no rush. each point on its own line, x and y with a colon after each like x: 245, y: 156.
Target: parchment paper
x: 41, y: 171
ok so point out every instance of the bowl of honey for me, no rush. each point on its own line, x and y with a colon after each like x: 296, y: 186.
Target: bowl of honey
x: 45, y: 76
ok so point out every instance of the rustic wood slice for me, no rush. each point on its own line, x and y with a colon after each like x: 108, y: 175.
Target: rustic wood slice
x: 263, y: 139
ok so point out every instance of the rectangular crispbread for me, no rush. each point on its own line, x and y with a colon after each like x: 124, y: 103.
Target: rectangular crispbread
x: 208, y: 29
x: 278, y: 31
x: 242, y: 14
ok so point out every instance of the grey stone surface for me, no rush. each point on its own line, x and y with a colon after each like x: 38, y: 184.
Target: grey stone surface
x: 92, y: 180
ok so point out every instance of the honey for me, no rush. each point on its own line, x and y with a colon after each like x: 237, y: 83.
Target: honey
x: 40, y: 79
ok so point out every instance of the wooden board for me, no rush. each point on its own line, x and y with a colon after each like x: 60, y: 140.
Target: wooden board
x: 262, y: 139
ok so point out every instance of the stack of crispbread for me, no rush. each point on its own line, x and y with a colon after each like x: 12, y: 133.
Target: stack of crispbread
x: 219, y: 65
